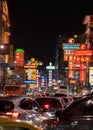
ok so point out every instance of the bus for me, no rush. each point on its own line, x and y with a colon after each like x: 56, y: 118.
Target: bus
x: 15, y: 89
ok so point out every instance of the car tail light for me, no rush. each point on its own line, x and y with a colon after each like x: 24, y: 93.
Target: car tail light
x: 14, y: 115
x: 47, y: 106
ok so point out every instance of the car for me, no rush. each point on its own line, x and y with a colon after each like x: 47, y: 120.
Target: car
x: 77, y: 116
x: 22, y: 104
x: 8, y: 123
x: 22, y: 108
x: 49, y: 105
x: 7, y: 107
x: 66, y: 99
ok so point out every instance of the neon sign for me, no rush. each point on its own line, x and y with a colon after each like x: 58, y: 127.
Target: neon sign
x: 67, y: 46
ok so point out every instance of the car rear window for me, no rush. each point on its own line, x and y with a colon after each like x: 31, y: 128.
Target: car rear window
x: 29, y: 104
x: 48, y: 103
x: 6, y: 105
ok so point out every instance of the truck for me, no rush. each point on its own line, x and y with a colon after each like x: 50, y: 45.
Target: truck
x: 64, y: 89
x: 15, y: 89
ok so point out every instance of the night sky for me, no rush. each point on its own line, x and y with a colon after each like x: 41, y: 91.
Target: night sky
x: 35, y: 25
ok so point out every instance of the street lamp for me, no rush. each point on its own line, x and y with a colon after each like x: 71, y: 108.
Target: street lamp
x: 4, y: 49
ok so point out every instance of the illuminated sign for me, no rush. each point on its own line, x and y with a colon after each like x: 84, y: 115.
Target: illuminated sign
x: 82, y: 66
x: 19, y: 51
x: 70, y: 65
x: 82, y: 59
x: 71, y: 74
x: 67, y: 46
x: 50, y: 67
x: 91, y: 75
x: 19, y: 57
x: 82, y: 75
x: 83, y: 53
x: 83, y: 46
x: 30, y: 81
x: 72, y: 81
x: 75, y: 46
x: 66, y: 58
x: 31, y: 66
x: 68, y: 52
x: 71, y: 58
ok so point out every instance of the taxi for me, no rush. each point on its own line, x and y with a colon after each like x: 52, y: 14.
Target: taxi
x: 8, y: 123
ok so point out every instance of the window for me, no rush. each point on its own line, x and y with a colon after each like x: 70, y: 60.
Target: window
x: 84, y: 107
x: 29, y: 104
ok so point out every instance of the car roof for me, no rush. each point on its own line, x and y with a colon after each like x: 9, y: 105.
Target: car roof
x: 46, y: 98
x: 14, y: 97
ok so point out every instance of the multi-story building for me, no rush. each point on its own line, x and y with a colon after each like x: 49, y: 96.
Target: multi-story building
x: 4, y: 32
x: 6, y: 49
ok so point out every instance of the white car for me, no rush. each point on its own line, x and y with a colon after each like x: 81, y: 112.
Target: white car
x: 22, y: 108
